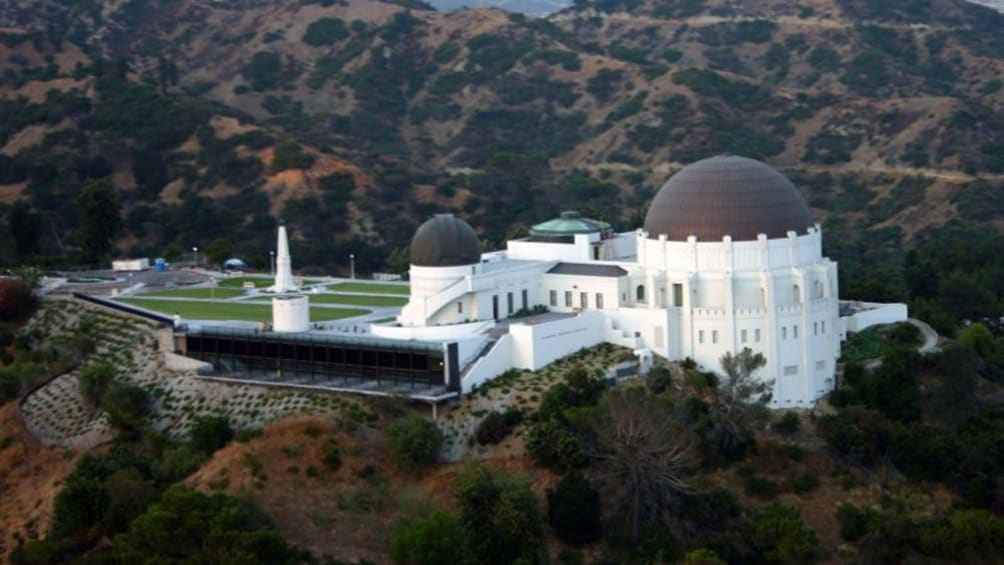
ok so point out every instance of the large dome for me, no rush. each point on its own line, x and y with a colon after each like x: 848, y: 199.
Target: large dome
x: 727, y: 195
x: 445, y: 241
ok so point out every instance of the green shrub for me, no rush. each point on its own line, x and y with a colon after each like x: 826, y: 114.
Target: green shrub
x: 496, y: 426
x: 435, y: 539
x: 414, y: 442
x: 788, y: 424
x: 551, y: 444
x: 332, y: 455
x: 210, y: 433
x: 804, y: 483
x: 761, y: 487
x: 573, y: 510
x: 855, y: 523
x: 780, y: 535
x: 500, y: 517
x: 325, y: 31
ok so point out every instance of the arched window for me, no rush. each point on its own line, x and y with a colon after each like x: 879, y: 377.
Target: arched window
x: 796, y: 293
x: 639, y: 293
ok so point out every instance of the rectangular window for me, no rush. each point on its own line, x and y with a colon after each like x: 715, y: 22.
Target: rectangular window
x: 714, y: 336
x: 509, y: 302
x: 599, y: 300
x: 794, y: 330
x: 460, y: 307
x: 568, y: 299
x: 791, y: 370
x: 526, y: 304
x: 820, y: 365
x: 756, y: 335
x: 823, y: 327
x: 815, y: 328
x: 584, y: 300
x: 553, y: 297
x: 784, y: 332
x: 742, y: 336
x: 700, y: 336
x: 677, y: 294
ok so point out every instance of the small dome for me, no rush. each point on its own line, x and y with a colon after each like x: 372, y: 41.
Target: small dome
x: 570, y: 223
x: 727, y: 195
x: 445, y: 241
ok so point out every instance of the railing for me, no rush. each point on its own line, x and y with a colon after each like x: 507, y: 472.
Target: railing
x: 159, y: 318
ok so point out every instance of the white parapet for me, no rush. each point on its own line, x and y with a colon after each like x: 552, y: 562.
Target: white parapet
x: 291, y: 313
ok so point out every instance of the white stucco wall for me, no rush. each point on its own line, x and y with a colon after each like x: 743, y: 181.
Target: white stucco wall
x: 497, y: 361
x: 537, y: 345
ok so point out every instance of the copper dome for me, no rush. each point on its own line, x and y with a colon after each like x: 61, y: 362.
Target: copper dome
x: 445, y: 241
x: 727, y: 195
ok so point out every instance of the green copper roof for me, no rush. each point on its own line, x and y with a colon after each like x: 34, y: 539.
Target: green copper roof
x: 568, y: 224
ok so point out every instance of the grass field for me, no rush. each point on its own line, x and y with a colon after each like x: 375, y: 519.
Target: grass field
x: 233, y: 310
x: 259, y: 282
x: 371, y: 287
x: 348, y: 299
x: 198, y: 292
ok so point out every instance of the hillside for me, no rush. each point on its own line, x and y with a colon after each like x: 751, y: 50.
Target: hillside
x: 355, y: 120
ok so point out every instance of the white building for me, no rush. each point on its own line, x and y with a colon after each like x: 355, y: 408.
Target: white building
x: 729, y: 257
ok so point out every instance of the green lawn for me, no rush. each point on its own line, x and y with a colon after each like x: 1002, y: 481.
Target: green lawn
x: 371, y: 287
x: 259, y: 281
x: 232, y: 310
x: 198, y: 292
x: 238, y: 282
x: 350, y: 299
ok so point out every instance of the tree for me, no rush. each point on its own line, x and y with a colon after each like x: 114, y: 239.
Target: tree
x: 741, y: 399
x: 100, y: 219
x: 781, y: 536
x: 399, y: 261
x: 210, y: 433
x: 26, y: 228
x: 552, y: 444
x: 499, y: 516
x: 414, y: 442
x: 186, y: 526
x: 573, y: 509
x: 218, y: 251
x: 644, y: 456
x: 978, y: 338
x: 94, y: 381
x: 434, y: 539
x: 16, y: 300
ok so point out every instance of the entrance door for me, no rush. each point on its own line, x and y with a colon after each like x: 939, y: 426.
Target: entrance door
x: 495, y: 306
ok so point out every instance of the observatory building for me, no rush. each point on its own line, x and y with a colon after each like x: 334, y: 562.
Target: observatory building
x: 729, y: 257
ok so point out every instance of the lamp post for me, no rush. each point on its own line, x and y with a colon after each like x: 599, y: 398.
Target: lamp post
x: 271, y: 263
x: 195, y: 254
x: 352, y: 265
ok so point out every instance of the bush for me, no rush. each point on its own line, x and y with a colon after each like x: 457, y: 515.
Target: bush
x: 332, y: 456
x: 414, y: 442
x: 780, y: 535
x: 573, y: 510
x: 496, y: 426
x: 761, y: 487
x: 855, y: 523
x: 325, y: 31
x: 553, y: 445
x: 788, y: 424
x: 95, y: 380
x: 16, y: 300
x: 430, y: 540
x: 658, y: 379
x: 804, y: 483
x: 210, y: 433
x: 500, y: 518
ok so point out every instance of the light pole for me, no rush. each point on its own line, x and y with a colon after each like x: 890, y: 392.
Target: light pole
x: 195, y: 253
x: 271, y: 263
x: 352, y: 265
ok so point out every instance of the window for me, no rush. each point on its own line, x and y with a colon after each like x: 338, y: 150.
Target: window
x: 742, y: 336
x: 794, y: 330
x: 584, y: 300
x: 568, y: 299
x: 700, y: 336
x: 714, y: 336
x: 815, y: 328
x: 640, y: 293
x: 553, y: 297
x: 677, y: 294
x: 526, y: 304
x: 796, y: 295
x: 820, y: 365
x: 756, y: 335
x: 599, y: 300
x: 509, y: 302
x: 623, y: 297
x: 822, y: 327
x: 817, y: 289
x: 784, y: 332
x: 791, y: 370
x: 460, y: 307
